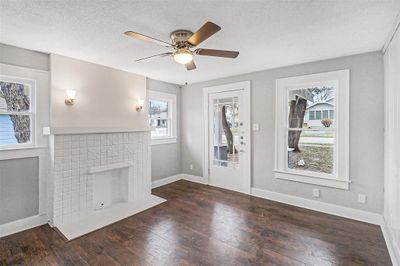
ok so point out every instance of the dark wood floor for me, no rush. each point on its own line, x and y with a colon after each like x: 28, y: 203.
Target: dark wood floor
x: 202, y: 225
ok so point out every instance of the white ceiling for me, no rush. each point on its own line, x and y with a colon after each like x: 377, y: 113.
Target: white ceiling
x: 268, y: 34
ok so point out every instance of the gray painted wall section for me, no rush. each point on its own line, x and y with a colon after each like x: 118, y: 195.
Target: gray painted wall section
x: 16, y: 56
x: 166, y: 158
x: 366, y: 129
x: 19, y: 189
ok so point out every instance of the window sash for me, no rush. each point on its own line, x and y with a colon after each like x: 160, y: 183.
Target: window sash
x: 171, y: 124
x: 31, y: 112
x: 340, y: 79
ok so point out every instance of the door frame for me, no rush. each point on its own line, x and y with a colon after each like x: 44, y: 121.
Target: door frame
x: 246, y: 87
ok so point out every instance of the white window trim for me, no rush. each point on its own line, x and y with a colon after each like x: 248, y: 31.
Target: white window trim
x: 172, y: 116
x: 340, y: 178
x: 31, y: 113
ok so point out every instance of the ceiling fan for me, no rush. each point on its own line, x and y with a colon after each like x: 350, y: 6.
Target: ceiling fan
x: 182, y: 41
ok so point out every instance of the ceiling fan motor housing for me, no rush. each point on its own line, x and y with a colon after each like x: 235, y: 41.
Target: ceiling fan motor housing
x: 180, y: 37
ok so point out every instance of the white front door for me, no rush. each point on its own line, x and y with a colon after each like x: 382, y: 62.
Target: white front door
x: 228, y: 140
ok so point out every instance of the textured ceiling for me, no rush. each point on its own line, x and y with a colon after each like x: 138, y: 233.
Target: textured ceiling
x: 268, y: 34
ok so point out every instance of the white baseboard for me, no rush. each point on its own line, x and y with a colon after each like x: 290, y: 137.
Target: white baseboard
x: 174, y: 178
x: 355, y: 214
x: 23, y: 224
x: 193, y: 178
x: 392, y: 245
x: 165, y: 181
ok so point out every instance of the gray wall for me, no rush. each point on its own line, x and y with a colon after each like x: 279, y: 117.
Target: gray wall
x: 366, y: 129
x: 19, y: 186
x: 19, y: 189
x: 16, y: 56
x: 166, y: 158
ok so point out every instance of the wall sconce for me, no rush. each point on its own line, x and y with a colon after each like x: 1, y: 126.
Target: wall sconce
x: 139, y: 105
x: 70, y: 99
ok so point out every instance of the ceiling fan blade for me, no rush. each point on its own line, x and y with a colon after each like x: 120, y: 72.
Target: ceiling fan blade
x: 154, y: 56
x: 191, y: 65
x: 203, y: 33
x: 146, y: 38
x: 219, y: 53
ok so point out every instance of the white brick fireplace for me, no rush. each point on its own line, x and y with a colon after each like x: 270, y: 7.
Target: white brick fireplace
x: 99, y: 178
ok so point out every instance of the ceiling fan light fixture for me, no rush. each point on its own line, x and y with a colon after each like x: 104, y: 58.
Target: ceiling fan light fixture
x: 183, y: 56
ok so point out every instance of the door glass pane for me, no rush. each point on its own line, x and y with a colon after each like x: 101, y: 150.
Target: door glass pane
x: 311, y: 150
x: 311, y: 107
x: 226, y: 140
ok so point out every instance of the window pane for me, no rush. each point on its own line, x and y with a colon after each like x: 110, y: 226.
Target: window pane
x: 312, y: 115
x: 159, y: 127
x: 318, y: 115
x: 14, y: 97
x: 158, y: 109
x: 15, y: 129
x: 307, y: 107
x: 311, y: 151
x: 226, y: 132
x: 331, y: 114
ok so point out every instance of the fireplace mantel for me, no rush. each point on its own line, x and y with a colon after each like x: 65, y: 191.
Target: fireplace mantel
x: 91, y: 130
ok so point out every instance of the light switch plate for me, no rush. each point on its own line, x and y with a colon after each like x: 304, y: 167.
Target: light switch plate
x: 256, y: 127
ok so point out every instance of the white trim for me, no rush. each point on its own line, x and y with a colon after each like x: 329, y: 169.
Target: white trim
x: 108, y: 167
x: 22, y: 224
x: 321, y: 181
x: 172, y: 116
x: 91, y: 130
x: 246, y: 86
x: 194, y: 178
x: 341, y: 150
x: 392, y: 246
x: 392, y: 33
x: 160, y: 141
x: 355, y: 214
x: 174, y: 178
x: 165, y: 181
x: 31, y: 113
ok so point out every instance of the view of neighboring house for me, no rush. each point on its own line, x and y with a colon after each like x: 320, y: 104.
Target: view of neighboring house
x: 158, y: 117
x: 317, y: 111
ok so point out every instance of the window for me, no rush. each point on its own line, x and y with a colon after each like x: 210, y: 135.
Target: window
x: 317, y: 115
x: 162, y: 117
x: 331, y: 114
x: 314, y: 148
x: 312, y: 115
x: 16, y: 112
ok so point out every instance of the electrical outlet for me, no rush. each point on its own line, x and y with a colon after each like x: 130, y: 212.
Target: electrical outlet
x: 315, y: 193
x: 256, y: 127
x: 362, y: 198
x: 191, y: 166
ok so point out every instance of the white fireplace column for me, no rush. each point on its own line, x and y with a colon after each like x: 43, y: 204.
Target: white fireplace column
x: 78, y: 157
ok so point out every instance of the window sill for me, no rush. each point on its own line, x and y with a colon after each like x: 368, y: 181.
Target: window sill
x: 21, y: 147
x: 160, y: 141
x: 321, y: 181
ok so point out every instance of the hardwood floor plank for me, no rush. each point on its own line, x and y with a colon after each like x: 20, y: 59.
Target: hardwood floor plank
x: 203, y: 225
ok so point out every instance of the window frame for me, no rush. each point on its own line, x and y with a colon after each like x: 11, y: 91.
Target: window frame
x: 31, y: 113
x: 172, y: 116
x: 340, y: 176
